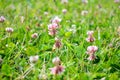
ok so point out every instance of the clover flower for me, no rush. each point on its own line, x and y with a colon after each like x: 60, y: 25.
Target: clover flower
x: 90, y: 33
x: 90, y: 37
x: 57, y: 43
x: 56, y: 20
x: 34, y: 35
x: 2, y: 19
x: 52, y: 29
x: 91, y: 57
x: 56, y: 61
x: 58, y: 68
x: 92, y: 49
x: 9, y: 29
x: 34, y: 59
x: 91, y: 52
x: 64, y: 11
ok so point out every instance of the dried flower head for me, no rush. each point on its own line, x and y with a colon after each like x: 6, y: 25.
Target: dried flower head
x: 9, y: 30
x: 38, y: 24
x: 57, y: 44
x: 28, y: 28
x: 2, y: 19
x: 34, y: 59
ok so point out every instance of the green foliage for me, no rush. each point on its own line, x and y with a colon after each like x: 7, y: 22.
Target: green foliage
x: 15, y: 48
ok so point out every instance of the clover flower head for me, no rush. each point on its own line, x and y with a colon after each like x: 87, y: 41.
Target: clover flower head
x: 2, y: 19
x: 34, y: 59
x: 9, y: 29
x: 92, y: 49
x: 34, y: 35
x: 57, y: 70
x: 56, y: 61
x: 56, y: 20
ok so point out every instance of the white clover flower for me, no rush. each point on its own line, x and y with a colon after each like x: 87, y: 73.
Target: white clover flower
x: 64, y: 11
x: 34, y: 59
x: 56, y: 61
x: 9, y: 30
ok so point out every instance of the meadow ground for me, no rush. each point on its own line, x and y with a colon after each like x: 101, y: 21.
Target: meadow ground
x: 58, y: 40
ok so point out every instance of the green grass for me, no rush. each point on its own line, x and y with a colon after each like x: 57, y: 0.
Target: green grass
x: 20, y: 46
